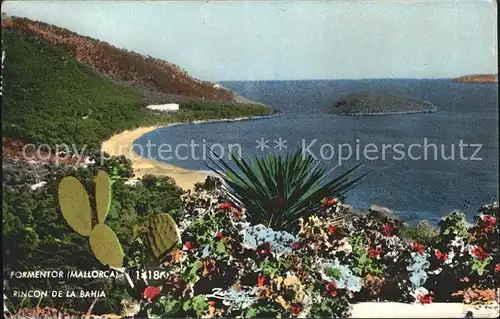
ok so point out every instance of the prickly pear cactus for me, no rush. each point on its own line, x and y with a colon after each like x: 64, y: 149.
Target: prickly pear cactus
x: 106, y: 246
x: 162, y: 235
x: 102, y: 195
x: 75, y: 205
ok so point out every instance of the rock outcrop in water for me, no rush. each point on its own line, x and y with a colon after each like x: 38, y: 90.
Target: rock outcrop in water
x: 379, y: 104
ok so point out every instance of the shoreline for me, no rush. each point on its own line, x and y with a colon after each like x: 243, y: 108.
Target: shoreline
x: 122, y: 144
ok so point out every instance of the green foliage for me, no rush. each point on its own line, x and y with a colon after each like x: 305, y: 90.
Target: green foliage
x: 333, y: 273
x: 75, y: 205
x: 195, y: 306
x: 36, y: 235
x: 364, y: 265
x: 102, y: 195
x: 478, y: 266
x: 162, y: 235
x: 50, y: 97
x: 454, y: 224
x: 273, y: 267
x: 106, y: 246
x: 210, y: 109
x: 191, y: 274
x: 331, y: 308
x: 423, y: 232
x: 278, y: 191
x: 166, y: 307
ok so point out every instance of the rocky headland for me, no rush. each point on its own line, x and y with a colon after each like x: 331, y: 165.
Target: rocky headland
x: 379, y: 104
x: 478, y: 78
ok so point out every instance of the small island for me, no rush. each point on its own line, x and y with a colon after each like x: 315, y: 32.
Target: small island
x: 379, y: 104
x: 478, y: 78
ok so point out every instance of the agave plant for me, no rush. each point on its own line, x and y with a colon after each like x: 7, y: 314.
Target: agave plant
x: 277, y: 191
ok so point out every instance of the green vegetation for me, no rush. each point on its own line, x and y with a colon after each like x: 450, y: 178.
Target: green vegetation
x: 37, y: 237
x: 162, y: 235
x: 423, y: 232
x: 51, y: 98
x: 199, y: 110
x: 75, y: 208
x: 277, y: 191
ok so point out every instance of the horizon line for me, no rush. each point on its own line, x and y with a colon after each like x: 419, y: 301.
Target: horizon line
x: 353, y: 79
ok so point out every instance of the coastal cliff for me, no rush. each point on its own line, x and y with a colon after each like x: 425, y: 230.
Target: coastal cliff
x: 379, y: 104
x: 478, y: 78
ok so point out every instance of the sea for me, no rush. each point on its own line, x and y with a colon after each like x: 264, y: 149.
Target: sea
x: 422, y: 166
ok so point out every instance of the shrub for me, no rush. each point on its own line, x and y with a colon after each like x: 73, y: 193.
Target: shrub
x: 37, y: 237
x: 278, y: 191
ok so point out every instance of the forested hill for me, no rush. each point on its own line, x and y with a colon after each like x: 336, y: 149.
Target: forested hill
x: 50, y: 97
x: 120, y: 64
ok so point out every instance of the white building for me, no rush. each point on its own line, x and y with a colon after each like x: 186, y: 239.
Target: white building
x: 172, y: 107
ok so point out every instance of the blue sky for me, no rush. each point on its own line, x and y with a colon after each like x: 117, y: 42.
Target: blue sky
x: 264, y: 40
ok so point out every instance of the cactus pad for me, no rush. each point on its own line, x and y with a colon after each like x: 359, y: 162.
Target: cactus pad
x: 75, y: 205
x: 106, y: 246
x: 102, y: 195
x: 162, y: 235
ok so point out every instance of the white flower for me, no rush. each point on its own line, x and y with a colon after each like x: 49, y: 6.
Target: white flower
x: 345, y: 246
x: 437, y: 271
x: 457, y: 242
x: 419, y: 292
x: 449, y: 260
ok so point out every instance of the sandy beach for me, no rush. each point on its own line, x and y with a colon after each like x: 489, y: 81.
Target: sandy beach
x: 121, y: 144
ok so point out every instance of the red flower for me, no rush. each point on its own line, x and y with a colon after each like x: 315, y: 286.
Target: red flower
x: 296, y: 308
x: 266, y: 249
x: 479, y: 253
x: 329, y: 202
x: 440, y: 256
x: 261, y: 281
x: 374, y: 252
x: 425, y: 299
x: 331, y: 288
x: 211, y: 303
x: 487, y: 223
x: 418, y: 247
x: 387, y: 230
x: 219, y: 235
x: 296, y: 245
x: 497, y: 268
x: 224, y: 206
x: 331, y: 229
x: 188, y: 245
x: 151, y: 292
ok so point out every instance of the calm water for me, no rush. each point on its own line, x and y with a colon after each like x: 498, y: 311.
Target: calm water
x: 415, y: 188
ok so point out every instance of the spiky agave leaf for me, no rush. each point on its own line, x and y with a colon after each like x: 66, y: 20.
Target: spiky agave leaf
x: 278, y: 191
x: 102, y: 195
x: 75, y: 205
x: 106, y: 246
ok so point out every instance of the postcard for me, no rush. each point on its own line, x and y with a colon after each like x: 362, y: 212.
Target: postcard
x: 240, y: 159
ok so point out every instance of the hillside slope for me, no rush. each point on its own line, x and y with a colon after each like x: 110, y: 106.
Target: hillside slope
x: 120, y: 64
x: 49, y: 97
